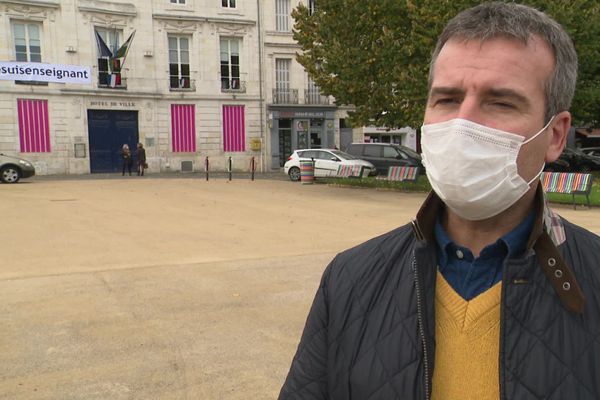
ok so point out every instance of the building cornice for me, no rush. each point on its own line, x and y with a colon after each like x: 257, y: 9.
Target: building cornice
x: 283, y: 45
x: 214, y: 20
x: 34, y: 3
x: 107, y: 7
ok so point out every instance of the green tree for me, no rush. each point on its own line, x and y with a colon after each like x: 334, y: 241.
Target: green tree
x: 374, y: 54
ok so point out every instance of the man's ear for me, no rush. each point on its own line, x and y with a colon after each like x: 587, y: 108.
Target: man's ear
x: 559, y: 129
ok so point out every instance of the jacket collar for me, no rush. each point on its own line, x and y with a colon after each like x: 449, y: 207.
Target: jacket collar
x: 547, y: 234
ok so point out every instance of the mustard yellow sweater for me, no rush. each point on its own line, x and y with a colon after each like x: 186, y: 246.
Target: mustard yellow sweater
x: 467, y: 344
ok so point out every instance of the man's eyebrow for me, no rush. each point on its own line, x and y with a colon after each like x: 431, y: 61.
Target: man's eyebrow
x: 445, y: 91
x: 508, y: 94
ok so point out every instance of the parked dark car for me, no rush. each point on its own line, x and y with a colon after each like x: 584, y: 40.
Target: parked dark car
x: 385, y: 155
x: 574, y: 160
x: 13, y: 168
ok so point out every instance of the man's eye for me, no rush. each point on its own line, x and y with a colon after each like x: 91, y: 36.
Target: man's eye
x: 445, y: 101
x: 501, y: 104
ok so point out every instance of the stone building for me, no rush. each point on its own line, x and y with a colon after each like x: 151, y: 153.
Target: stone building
x: 199, y: 78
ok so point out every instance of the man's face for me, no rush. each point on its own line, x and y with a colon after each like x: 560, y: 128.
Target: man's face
x: 498, y: 83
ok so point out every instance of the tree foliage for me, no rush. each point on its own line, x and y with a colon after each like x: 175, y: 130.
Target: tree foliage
x: 374, y: 54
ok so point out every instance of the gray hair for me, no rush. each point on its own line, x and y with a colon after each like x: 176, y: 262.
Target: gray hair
x: 515, y: 21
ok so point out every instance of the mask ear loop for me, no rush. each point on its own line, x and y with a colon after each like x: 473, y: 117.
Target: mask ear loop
x: 537, y: 175
x: 529, y: 140
x: 540, y: 132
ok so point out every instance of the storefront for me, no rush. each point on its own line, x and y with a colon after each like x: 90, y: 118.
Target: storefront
x: 299, y: 129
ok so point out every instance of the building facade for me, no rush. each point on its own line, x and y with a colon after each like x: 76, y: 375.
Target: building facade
x: 189, y: 79
x: 298, y: 115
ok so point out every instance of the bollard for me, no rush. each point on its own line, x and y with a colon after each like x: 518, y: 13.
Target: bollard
x: 252, y: 167
x: 206, y: 167
x: 229, y: 168
x: 307, y: 171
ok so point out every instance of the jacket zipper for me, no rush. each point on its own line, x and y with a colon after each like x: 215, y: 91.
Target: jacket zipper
x: 421, y: 327
x: 420, y: 236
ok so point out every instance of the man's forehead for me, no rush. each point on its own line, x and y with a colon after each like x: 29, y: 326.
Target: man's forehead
x: 493, y: 63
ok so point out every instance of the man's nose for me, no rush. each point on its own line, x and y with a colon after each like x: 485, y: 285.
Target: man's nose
x: 469, y: 109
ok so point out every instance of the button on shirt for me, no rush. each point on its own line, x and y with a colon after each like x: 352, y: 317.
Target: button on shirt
x: 471, y: 276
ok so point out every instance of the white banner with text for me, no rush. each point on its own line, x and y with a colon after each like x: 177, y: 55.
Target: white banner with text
x: 41, y: 72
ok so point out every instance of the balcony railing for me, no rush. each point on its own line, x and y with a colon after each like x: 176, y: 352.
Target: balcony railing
x: 285, y: 96
x: 182, y: 85
x: 113, y: 82
x: 233, y: 85
x: 314, y: 96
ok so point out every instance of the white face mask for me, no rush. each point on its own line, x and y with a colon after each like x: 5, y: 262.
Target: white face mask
x: 473, y: 168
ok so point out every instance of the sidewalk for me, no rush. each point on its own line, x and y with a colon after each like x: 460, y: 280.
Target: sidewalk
x: 272, y: 175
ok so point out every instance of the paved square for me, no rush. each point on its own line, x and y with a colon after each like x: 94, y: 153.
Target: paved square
x: 171, y: 288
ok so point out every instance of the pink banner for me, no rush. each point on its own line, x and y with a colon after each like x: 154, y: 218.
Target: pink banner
x: 183, y: 128
x: 234, y: 130
x: 34, y: 128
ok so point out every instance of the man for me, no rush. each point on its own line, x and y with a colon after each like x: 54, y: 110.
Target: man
x: 487, y: 294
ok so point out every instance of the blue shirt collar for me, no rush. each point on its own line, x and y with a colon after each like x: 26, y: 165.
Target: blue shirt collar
x: 515, y: 240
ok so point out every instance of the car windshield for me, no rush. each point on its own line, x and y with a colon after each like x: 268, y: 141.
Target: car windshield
x: 343, y: 155
x: 411, y: 152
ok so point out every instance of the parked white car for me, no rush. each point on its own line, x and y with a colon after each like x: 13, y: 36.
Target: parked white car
x: 327, y: 162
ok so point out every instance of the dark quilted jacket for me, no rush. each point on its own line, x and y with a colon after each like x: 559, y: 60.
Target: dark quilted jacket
x: 370, y: 332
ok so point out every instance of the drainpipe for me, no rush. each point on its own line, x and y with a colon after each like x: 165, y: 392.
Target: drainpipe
x: 260, y: 78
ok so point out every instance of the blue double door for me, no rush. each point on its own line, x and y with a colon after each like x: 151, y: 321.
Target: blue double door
x: 108, y: 131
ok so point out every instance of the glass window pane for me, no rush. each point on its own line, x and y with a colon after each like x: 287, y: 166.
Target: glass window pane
x: 36, y: 57
x: 174, y: 69
x: 232, y: 3
x: 224, y: 70
x: 34, y: 32
x: 185, y: 70
x: 185, y: 57
x: 389, y: 152
x: 224, y: 46
x: 103, y: 64
x: 235, y: 71
x: 224, y: 57
x: 19, y: 31
x: 373, y: 151
x: 235, y: 59
x: 224, y: 3
x: 183, y: 43
x: 22, y: 57
x: 114, y: 39
x: 173, y: 56
x: 235, y: 46
x: 172, y: 43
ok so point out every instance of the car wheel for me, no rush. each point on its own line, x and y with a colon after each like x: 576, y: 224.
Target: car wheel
x: 294, y: 174
x: 10, y: 174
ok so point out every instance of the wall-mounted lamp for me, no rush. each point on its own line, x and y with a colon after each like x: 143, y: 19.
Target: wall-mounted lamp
x: 71, y: 49
x: 148, y: 53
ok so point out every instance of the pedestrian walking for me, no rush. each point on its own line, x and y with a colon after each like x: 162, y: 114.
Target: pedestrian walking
x: 141, y: 159
x: 126, y: 158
